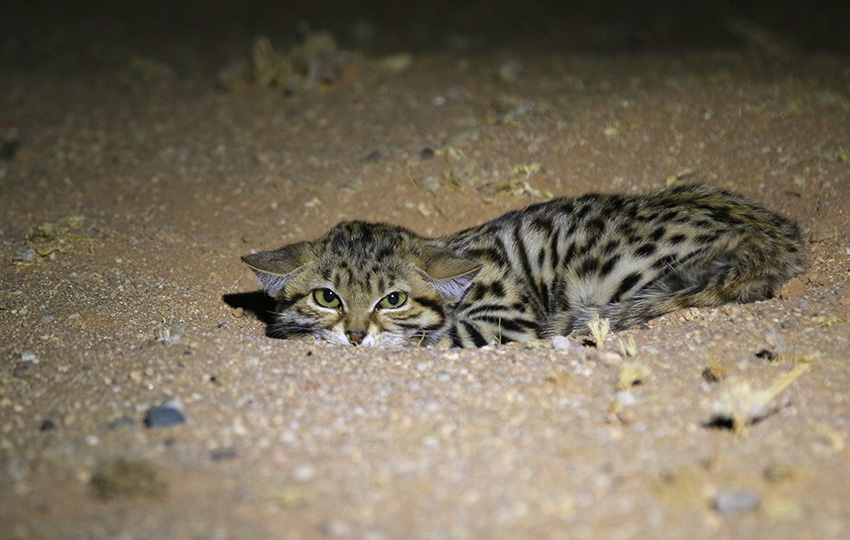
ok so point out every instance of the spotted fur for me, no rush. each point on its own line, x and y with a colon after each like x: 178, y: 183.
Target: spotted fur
x: 532, y: 273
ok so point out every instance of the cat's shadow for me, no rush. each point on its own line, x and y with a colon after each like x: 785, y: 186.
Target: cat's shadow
x: 257, y: 303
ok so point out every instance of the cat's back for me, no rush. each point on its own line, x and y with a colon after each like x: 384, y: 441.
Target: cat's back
x: 710, y: 245
x: 686, y: 214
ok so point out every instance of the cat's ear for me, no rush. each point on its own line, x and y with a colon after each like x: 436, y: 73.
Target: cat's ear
x: 448, y: 272
x: 275, y: 268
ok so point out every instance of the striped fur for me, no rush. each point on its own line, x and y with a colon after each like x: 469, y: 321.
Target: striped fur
x: 533, y: 273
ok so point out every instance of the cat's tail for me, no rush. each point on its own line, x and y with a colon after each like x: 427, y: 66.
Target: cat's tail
x: 750, y: 267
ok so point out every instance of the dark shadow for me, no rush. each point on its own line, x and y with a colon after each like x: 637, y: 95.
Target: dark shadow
x: 722, y: 421
x: 257, y: 303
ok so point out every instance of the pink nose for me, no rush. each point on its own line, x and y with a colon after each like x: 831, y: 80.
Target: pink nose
x: 355, y: 336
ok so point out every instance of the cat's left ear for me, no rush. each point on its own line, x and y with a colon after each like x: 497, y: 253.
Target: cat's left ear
x: 275, y: 268
x: 448, y: 272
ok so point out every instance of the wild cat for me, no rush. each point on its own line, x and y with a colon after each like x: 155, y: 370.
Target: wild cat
x: 532, y: 273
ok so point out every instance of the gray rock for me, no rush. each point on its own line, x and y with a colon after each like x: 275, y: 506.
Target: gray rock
x: 734, y: 502
x: 163, y: 416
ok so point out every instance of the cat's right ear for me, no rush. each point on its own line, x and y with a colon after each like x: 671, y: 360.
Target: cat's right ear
x: 275, y: 268
x: 448, y: 272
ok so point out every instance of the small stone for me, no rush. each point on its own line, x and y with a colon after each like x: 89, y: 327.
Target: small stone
x: 431, y: 183
x: 562, y: 343
x: 46, y: 319
x: 47, y: 425
x: 626, y: 398
x: 733, y: 502
x: 304, y: 473
x: 29, y: 356
x: 26, y: 256
x: 238, y: 312
x: 731, y: 310
x: 163, y: 417
x: 689, y: 314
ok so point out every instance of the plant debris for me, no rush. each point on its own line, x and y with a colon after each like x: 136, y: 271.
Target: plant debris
x: 740, y: 406
x: 631, y: 374
x: 50, y: 238
x: 715, y: 371
x: 599, y: 329
x: 314, y: 62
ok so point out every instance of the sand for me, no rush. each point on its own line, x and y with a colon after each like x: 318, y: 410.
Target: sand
x: 134, y: 172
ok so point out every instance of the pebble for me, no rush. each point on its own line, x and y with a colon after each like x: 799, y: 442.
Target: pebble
x: 163, y: 417
x: 46, y: 319
x: 29, y: 356
x: 734, y: 502
x: 626, y: 398
x: 562, y: 343
x: 47, y: 425
x: 431, y: 183
x: 26, y: 256
x: 304, y: 473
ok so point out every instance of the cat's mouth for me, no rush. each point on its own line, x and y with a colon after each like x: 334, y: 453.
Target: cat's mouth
x: 360, y: 339
x: 386, y: 339
x: 356, y: 337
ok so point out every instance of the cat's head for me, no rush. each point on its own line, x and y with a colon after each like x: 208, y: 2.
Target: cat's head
x: 364, y: 284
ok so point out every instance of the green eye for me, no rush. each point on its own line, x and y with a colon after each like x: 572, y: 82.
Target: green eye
x: 326, y: 298
x: 394, y: 300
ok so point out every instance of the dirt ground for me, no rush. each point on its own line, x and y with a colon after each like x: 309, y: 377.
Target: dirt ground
x: 138, y: 163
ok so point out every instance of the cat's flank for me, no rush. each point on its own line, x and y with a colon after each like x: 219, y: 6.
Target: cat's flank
x: 533, y: 273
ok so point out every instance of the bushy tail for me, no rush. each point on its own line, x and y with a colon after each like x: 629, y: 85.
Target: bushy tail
x: 749, y: 268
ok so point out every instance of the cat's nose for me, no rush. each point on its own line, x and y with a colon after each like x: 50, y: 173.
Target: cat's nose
x: 355, y: 336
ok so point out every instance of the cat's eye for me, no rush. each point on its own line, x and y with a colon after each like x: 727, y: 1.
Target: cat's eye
x: 394, y: 300
x: 326, y: 298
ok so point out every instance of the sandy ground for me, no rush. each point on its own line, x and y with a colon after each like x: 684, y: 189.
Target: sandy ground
x: 131, y: 183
